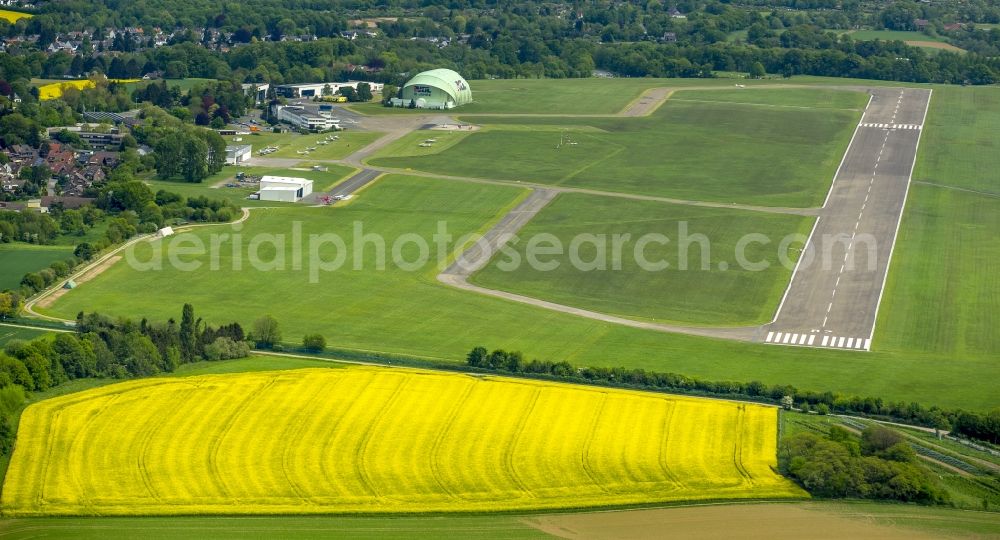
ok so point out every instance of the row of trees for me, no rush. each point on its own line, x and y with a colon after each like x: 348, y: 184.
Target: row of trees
x: 982, y: 426
x: 881, y: 465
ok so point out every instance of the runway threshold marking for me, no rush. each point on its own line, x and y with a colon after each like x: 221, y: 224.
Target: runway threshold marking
x: 809, y: 340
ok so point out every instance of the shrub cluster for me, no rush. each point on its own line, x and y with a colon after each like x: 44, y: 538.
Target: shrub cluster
x: 881, y: 466
x: 982, y: 426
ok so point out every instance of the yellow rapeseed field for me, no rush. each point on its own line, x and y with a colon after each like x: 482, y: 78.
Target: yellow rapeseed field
x: 55, y: 90
x: 375, y: 440
x: 13, y: 16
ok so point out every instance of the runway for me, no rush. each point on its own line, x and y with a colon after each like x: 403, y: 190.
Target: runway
x: 836, y: 288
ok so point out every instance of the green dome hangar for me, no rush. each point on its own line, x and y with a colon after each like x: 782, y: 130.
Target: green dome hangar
x: 435, y: 89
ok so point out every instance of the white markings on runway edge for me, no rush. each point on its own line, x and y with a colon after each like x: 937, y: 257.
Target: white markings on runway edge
x: 809, y: 340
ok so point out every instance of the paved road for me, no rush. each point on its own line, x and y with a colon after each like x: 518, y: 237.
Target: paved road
x: 476, y: 257
x: 345, y: 188
x: 835, y: 292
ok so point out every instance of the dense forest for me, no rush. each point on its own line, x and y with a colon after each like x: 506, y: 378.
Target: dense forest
x: 297, y: 41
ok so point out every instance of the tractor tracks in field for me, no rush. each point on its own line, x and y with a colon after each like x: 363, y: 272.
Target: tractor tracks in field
x: 442, y: 435
x: 213, y: 451
x: 361, y: 452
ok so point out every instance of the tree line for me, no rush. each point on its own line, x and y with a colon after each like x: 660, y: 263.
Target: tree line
x: 972, y: 424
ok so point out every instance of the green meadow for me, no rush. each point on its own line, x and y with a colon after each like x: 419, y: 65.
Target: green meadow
x: 960, y: 145
x: 392, y: 310
x: 943, y: 289
x: 18, y: 259
x: 810, y: 98
x: 680, y: 282
x: 943, y: 286
x: 720, y: 152
x: 9, y: 333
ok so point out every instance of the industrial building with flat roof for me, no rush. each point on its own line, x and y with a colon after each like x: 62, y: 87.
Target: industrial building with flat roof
x: 304, y: 118
x: 434, y: 89
x: 316, y: 89
x: 284, y: 188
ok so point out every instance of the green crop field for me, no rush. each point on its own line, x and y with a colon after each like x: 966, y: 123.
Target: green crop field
x: 725, y: 152
x: 17, y: 259
x: 696, y: 292
x: 211, y: 188
x: 303, y: 527
x: 902, y: 520
x: 394, y: 311
x: 893, y: 35
x: 290, y: 144
x: 8, y: 333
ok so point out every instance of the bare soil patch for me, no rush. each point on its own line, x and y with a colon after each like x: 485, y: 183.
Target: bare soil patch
x: 752, y: 521
x: 85, y: 277
x: 935, y: 45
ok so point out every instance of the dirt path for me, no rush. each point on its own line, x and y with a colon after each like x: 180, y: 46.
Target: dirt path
x: 87, y: 276
x: 934, y: 45
x: 753, y: 521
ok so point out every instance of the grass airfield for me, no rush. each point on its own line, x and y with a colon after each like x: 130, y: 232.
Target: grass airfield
x: 696, y: 291
x: 410, y: 313
x: 934, y: 341
x: 731, y: 150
